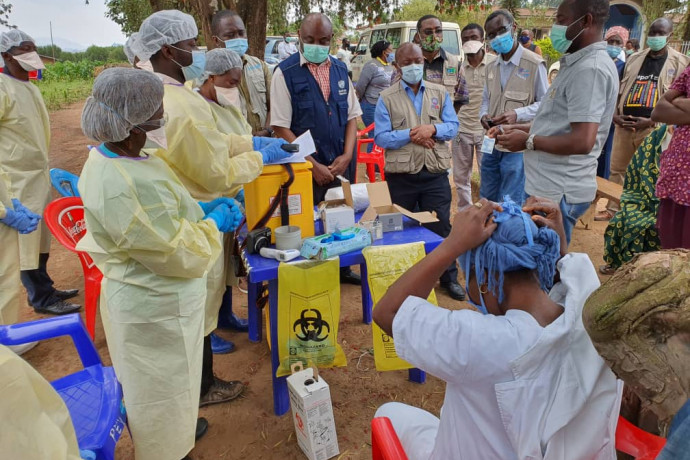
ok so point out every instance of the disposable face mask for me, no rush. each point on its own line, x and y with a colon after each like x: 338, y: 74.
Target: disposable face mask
x: 390, y: 58
x: 654, y: 43
x: 431, y: 43
x: 238, y: 45
x: 503, y: 44
x: 629, y: 52
x: 29, y: 61
x: 524, y: 39
x: 472, y: 47
x: 558, y: 36
x: 613, y: 51
x: 156, y: 139
x: 145, y: 66
x: 196, y: 68
x: 412, y: 73
x: 315, y: 54
x: 228, y: 96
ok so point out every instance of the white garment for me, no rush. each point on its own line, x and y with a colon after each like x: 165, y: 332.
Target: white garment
x: 285, y: 50
x: 515, y: 390
x: 346, y: 57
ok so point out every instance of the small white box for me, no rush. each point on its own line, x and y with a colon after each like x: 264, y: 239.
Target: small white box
x: 312, y: 413
x: 338, y: 214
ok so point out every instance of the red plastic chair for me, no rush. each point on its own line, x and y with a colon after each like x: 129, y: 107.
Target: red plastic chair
x: 65, y: 219
x: 385, y: 444
x: 636, y: 442
x: 372, y: 159
x: 630, y: 440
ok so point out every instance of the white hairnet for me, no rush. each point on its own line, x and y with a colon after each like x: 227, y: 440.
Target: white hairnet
x: 121, y: 98
x: 165, y: 27
x: 219, y: 61
x: 129, y: 51
x: 13, y: 38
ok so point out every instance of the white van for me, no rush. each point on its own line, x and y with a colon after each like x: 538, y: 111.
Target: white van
x: 397, y: 33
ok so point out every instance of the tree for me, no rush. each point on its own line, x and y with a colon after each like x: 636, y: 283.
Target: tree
x: 5, y: 10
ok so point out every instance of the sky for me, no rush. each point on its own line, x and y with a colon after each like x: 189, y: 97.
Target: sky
x: 75, y: 24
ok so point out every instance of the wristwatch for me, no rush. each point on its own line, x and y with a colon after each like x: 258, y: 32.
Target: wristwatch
x: 530, y: 142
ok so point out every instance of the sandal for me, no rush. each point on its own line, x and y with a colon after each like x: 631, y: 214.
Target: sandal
x: 607, y: 270
x: 604, y: 216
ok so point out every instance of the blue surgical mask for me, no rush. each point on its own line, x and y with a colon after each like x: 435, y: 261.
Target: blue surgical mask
x: 503, y: 44
x: 613, y: 51
x: 390, y: 58
x: 196, y: 68
x: 315, y: 54
x: 413, y: 73
x: 629, y: 52
x: 559, y: 38
x: 238, y: 45
x: 657, y: 43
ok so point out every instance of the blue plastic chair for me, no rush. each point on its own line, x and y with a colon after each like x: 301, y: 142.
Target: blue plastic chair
x: 92, y: 395
x: 64, y: 182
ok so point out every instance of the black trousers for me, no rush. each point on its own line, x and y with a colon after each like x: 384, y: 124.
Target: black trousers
x: 38, y: 284
x: 207, y: 367
x: 426, y: 191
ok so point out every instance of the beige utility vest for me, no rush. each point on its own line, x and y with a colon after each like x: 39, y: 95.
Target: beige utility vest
x: 451, y: 67
x: 256, y: 84
x: 519, y: 90
x: 412, y: 157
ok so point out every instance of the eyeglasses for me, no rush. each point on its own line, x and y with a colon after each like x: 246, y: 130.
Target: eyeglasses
x: 501, y: 31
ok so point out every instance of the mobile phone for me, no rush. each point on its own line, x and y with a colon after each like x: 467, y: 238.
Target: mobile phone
x: 292, y: 148
x: 490, y: 122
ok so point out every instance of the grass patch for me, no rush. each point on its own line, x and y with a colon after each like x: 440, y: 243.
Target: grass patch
x: 58, y: 94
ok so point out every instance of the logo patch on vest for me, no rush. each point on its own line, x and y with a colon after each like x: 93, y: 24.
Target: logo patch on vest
x: 450, y: 71
x: 522, y: 73
x: 434, y: 103
x: 342, y: 91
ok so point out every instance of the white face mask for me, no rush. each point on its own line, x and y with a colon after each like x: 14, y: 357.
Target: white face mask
x: 228, y: 96
x: 29, y: 61
x: 156, y: 139
x: 145, y: 66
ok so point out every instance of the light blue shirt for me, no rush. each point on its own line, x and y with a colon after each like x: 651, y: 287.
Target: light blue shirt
x: 506, y: 68
x: 388, y: 138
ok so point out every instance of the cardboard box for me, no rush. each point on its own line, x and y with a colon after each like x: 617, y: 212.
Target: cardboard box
x: 312, y: 413
x: 338, y: 214
x: 322, y: 248
x: 381, y: 206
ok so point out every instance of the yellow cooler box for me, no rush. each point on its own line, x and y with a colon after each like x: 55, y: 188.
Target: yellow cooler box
x: 259, y: 195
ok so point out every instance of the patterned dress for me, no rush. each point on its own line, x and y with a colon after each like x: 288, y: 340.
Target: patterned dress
x: 633, y: 229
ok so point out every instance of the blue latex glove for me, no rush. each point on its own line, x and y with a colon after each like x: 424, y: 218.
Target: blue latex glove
x: 263, y: 142
x: 240, y: 198
x: 207, y: 207
x: 227, y: 218
x: 274, y: 153
x: 22, y: 221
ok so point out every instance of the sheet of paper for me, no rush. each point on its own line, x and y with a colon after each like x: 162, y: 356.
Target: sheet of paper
x: 306, y: 147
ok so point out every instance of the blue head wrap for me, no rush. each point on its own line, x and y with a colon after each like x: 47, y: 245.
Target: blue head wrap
x: 517, y: 244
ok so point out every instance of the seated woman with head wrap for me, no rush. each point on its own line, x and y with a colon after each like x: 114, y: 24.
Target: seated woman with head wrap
x: 523, y: 379
x: 633, y: 229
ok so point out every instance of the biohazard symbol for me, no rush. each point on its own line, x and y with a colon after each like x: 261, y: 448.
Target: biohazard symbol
x: 311, y: 327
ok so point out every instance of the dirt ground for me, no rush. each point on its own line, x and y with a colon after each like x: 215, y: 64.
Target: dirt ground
x: 247, y: 427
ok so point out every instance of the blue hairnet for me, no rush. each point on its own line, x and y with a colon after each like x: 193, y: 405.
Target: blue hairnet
x: 517, y: 244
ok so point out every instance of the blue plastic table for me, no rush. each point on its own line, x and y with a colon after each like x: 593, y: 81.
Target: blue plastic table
x: 261, y: 269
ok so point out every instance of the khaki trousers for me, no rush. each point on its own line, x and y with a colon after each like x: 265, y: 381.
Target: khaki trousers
x: 625, y: 144
x: 465, y: 147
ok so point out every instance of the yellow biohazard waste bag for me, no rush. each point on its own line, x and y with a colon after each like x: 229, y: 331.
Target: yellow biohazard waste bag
x: 308, y: 315
x: 385, y: 264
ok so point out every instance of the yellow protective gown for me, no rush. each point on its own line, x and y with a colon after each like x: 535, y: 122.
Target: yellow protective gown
x: 36, y: 424
x: 24, y: 141
x: 146, y: 234
x: 209, y: 162
x: 9, y: 258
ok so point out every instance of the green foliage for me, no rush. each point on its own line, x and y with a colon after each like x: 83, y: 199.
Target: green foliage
x: 547, y: 50
x: 60, y: 93
x: 128, y: 14
x: 93, y: 53
x: 5, y: 10
x: 70, y: 71
x: 415, y: 9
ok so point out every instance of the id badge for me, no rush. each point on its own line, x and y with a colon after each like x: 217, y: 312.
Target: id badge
x: 488, y: 145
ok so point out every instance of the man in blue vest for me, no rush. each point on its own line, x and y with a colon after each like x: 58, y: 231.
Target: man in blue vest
x: 311, y: 90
